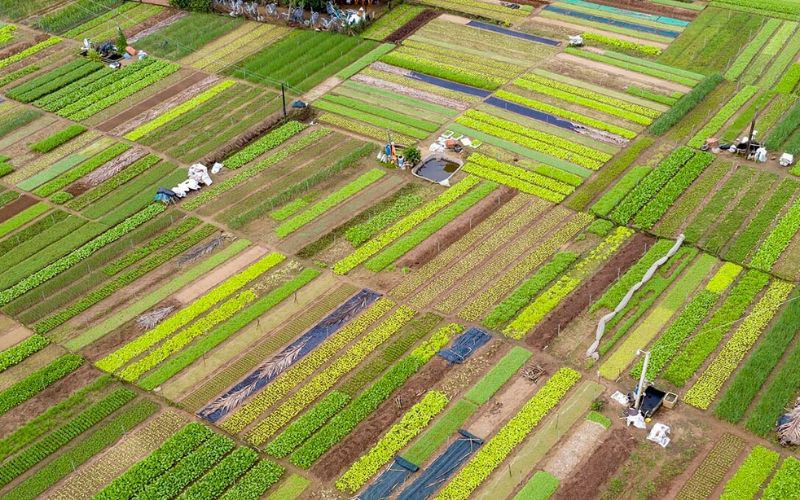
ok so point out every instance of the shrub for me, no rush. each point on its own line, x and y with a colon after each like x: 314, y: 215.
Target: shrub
x: 685, y: 104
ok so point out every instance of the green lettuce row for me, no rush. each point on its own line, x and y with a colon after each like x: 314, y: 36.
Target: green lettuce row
x: 155, y: 244
x: 135, y: 480
x: 114, y: 182
x: 177, y: 111
x: 723, y: 115
x: 410, y: 240
x: 524, y: 293
x: 68, y: 98
x: 176, y: 343
x: 615, y: 195
x: 403, y: 226
x: 29, y: 51
x: 58, y: 81
x: 73, y: 14
x: 533, y: 177
x: 650, y: 95
x: 777, y: 241
x: 319, y: 384
x: 255, y: 482
x: 441, y: 70
x: 64, y: 465
x: 222, y: 476
x: 81, y: 170
x: 304, y: 427
x: 751, y: 474
x: 588, y: 99
x: 19, y: 352
x: 651, y: 185
x: 790, y: 80
x: 672, y: 190
x: 372, y: 115
x: 705, y: 342
x: 212, y: 192
x: 270, y: 141
x: 117, y: 359
x: 617, y: 43
x: 495, y: 451
x: 189, y: 469
x: 512, y: 182
x: 410, y: 424
x: 44, y: 79
x: 265, y: 206
x: 685, y: 104
x: 38, y: 381
x: 23, y: 218
x: 332, y: 200
x: 360, y: 233
x: 368, y: 401
x: 752, y: 376
x: 81, y: 253
x: 47, y: 421
x: 224, y: 331
x: 60, y: 437
x: 95, y: 296
x: 753, y: 48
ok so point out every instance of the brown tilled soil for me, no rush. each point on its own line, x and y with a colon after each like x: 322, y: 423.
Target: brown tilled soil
x: 367, y: 433
x: 16, y: 206
x: 45, y: 399
x: 118, y: 337
x: 594, y: 472
x: 455, y: 229
x: 149, y: 22
x: 572, y: 306
x: 20, y: 46
x: 148, y: 103
x: 413, y: 25
x: 652, y: 8
x: 106, y: 171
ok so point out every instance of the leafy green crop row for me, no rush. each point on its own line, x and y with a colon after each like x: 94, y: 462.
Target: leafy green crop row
x: 685, y: 104
x: 19, y: 352
x: 38, y: 381
x: 53, y: 141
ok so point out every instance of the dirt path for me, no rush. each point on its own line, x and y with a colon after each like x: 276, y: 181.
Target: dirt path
x: 14, y: 336
x: 502, y: 407
x: 321, y: 89
x: 582, y: 442
x: 623, y: 73
x: 218, y: 275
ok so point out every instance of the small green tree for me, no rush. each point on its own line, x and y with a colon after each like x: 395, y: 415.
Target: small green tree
x: 122, y: 42
x: 412, y: 155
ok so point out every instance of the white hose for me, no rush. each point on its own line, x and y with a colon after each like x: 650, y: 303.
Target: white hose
x: 601, y: 326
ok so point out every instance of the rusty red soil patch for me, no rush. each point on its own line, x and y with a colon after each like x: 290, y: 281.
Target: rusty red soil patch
x: 366, y: 434
x: 456, y: 228
x: 651, y: 8
x: 413, y: 25
x: 149, y: 22
x: 21, y: 414
x: 151, y: 101
x: 587, y: 479
x: 120, y: 336
x: 16, y: 206
x: 573, y: 305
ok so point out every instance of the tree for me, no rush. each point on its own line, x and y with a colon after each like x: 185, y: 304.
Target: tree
x: 412, y: 155
x: 122, y: 42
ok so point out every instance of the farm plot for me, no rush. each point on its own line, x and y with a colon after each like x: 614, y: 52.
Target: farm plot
x: 482, y: 67
x: 302, y: 60
x: 196, y: 127
x: 187, y: 35
x: 616, y: 20
x: 124, y: 17
x: 232, y: 47
x: 714, y: 42
x: 370, y: 111
x: 71, y: 14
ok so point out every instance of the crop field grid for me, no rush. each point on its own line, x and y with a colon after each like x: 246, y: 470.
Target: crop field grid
x: 322, y: 320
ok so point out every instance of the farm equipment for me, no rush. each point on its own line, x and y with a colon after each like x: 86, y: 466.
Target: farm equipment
x: 108, y: 52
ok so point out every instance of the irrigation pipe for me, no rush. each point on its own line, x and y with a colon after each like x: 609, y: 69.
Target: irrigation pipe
x: 601, y: 326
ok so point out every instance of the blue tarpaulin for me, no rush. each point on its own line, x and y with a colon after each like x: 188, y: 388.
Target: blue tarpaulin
x: 391, y: 478
x: 447, y: 84
x: 443, y: 467
x: 532, y: 113
x: 466, y: 343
